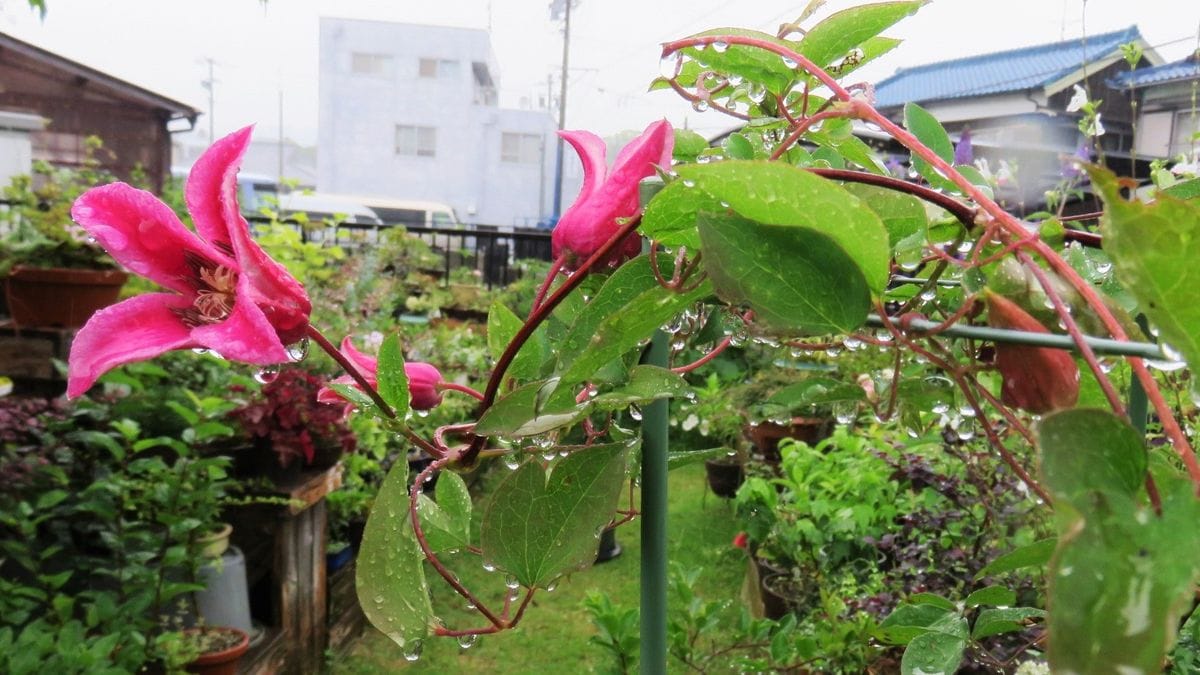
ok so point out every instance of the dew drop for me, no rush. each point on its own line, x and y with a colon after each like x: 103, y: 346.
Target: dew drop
x: 720, y: 47
x: 512, y: 461
x: 412, y: 651
x: 200, y: 350
x: 757, y: 93
x: 789, y: 62
x: 488, y: 566
x: 298, y: 351
x: 467, y: 641
x: 687, y: 182
x: 669, y: 66
x: 635, y: 413
x: 852, y: 344
x: 511, y: 582
x: 700, y: 105
x: 267, y: 375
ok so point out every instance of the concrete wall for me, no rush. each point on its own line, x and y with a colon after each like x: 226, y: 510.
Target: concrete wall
x: 370, y: 82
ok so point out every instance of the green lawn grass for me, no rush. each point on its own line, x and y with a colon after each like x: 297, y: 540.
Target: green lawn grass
x: 553, y: 636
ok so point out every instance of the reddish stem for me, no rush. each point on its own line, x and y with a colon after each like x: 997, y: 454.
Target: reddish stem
x: 351, y: 370
x: 541, y: 314
x: 461, y: 388
x: 414, y: 495
x: 555, y: 268
x: 712, y: 354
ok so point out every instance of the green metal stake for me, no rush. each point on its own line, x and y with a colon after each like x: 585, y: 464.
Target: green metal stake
x: 654, y: 523
x: 654, y: 504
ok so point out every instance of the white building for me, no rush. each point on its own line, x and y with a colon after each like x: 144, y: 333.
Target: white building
x: 410, y: 112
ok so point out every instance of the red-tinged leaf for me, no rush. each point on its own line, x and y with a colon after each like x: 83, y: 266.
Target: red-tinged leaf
x: 1035, y: 379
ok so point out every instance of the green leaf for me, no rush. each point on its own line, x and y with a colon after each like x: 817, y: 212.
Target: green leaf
x: 871, y: 50
x: 794, y: 278
x: 390, y: 579
x: 779, y: 195
x: 1036, y: 554
x: 1008, y: 620
x: 933, y: 653
x: 816, y: 391
x: 737, y: 146
x: 932, y: 599
x: 393, y: 381
x: 842, y: 31
x: 1122, y: 575
x: 1154, y: 248
x: 538, y: 527
x: 447, y: 522
x: 991, y: 595
x: 503, y: 326
x: 646, y: 383
x: 1087, y: 451
x: 1188, y: 189
x: 680, y: 458
x: 688, y: 144
x: 526, y: 412
x: 908, y: 621
x: 622, y: 321
x: 930, y: 132
x: 353, y: 394
x: 751, y: 63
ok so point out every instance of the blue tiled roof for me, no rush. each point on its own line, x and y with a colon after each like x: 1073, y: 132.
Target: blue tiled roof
x: 1000, y: 72
x: 1187, y: 69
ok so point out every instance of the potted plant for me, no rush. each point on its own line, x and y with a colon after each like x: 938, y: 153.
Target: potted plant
x: 711, y: 416
x: 53, y: 274
x: 217, y: 650
x: 289, y: 430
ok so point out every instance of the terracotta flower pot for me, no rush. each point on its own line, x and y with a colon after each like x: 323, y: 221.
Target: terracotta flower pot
x: 766, y: 435
x: 224, y: 661
x: 58, y: 297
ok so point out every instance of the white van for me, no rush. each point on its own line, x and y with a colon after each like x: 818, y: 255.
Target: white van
x: 412, y: 213
x: 326, y: 207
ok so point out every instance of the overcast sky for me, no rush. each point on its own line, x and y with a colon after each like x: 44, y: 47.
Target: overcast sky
x: 261, y: 49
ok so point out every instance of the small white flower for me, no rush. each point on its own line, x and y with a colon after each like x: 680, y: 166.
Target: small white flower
x: 1096, y: 128
x: 690, y: 422
x: 1078, y: 100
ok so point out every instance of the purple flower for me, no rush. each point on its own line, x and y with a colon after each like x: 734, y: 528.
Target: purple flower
x: 1070, y: 163
x: 963, y: 152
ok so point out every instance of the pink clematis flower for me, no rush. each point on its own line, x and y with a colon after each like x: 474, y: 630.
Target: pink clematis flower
x: 607, y: 196
x: 228, y: 295
x: 423, y: 379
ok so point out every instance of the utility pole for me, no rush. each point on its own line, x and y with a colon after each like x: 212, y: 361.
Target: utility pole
x: 209, y: 84
x: 565, y: 7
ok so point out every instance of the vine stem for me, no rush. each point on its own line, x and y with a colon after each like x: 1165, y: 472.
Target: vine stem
x: 414, y: 495
x: 966, y: 389
x: 461, y: 388
x: 535, y: 319
x: 862, y: 109
x: 351, y: 370
x: 712, y: 354
x: 361, y: 380
x: 555, y: 268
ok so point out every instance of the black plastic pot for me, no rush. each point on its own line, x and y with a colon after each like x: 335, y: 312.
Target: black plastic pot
x: 725, y: 476
x: 609, y: 547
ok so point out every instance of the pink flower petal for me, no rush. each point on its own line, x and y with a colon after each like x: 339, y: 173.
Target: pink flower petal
x: 592, y: 219
x: 593, y: 154
x: 136, y: 329
x: 212, y: 198
x: 212, y: 182
x: 143, y: 234
x: 245, y: 335
x: 422, y: 385
x: 366, y: 363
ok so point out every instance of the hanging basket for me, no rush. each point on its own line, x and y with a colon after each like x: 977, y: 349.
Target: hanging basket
x: 59, y: 297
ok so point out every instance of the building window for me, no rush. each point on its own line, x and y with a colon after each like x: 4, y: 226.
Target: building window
x: 362, y: 63
x: 416, y: 141
x: 437, y: 68
x: 520, y: 148
x: 1186, y: 135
